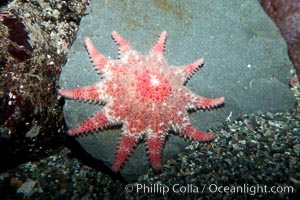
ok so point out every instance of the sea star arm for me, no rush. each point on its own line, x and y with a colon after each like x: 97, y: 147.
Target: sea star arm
x: 187, y: 71
x: 190, y: 69
x: 125, y: 147
x: 87, y: 93
x: 155, y: 146
x: 98, y: 121
x: 98, y: 59
x: 199, y: 102
x: 206, y: 103
x: 192, y: 133
x: 159, y: 47
x: 124, y: 46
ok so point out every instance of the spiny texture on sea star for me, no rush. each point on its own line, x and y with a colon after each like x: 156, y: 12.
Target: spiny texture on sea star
x: 143, y: 94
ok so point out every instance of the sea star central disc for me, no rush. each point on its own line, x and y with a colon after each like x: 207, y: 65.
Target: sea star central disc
x: 145, y: 95
x: 152, y: 86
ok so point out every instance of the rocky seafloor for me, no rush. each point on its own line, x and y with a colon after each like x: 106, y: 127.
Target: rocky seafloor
x: 257, y: 156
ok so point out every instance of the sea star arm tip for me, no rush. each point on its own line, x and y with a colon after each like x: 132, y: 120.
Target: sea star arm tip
x: 88, y: 93
x: 211, y: 103
x: 98, y: 59
x: 200, y: 102
x: 190, y: 69
x: 98, y: 121
x: 192, y: 133
x: 159, y: 47
x: 124, y: 46
x: 155, y: 146
x: 125, y: 148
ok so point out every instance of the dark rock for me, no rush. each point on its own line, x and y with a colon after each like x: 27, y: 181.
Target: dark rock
x: 245, y: 58
x: 33, y: 48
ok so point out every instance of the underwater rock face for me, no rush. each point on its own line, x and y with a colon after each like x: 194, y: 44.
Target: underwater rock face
x: 245, y: 61
x: 286, y: 15
x: 34, y: 45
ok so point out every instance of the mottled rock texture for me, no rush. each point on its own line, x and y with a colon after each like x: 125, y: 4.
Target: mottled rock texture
x: 35, y: 37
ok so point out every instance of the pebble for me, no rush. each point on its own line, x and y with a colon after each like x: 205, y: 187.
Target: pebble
x: 297, y: 149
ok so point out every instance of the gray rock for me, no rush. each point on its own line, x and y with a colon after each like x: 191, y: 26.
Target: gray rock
x: 245, y: 61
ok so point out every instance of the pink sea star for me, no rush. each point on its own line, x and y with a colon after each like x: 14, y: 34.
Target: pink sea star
x: 143, y: 94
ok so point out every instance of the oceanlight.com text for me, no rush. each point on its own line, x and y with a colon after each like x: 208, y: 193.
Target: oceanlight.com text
x: 211, y: 188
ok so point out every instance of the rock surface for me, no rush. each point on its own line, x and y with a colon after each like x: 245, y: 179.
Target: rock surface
x: 245, y: 61
x: 34, y: 40
x: 286, y: 16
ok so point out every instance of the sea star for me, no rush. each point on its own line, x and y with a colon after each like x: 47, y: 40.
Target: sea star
x: 143, y: 94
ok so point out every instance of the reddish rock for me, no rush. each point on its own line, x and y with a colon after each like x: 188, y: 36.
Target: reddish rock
x: 286, y: 15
